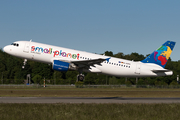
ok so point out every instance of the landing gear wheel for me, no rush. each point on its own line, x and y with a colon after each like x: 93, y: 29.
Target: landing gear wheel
x: 24, y: 63
x: 80, y: 77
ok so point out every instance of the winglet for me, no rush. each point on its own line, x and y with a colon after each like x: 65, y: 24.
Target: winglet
x: 108, y: 59
x: 161, y: 55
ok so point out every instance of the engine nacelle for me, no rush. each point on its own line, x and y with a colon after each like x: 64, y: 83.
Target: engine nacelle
x: 63, y: 66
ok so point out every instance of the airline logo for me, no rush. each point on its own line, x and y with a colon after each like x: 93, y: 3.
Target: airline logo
x: 161, y: 55
x: 55, y: 53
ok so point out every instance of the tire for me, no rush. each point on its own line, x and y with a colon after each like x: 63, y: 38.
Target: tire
x: 80, y: 77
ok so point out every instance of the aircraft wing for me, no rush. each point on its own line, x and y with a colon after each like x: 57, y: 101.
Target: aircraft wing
x: 86, y: 63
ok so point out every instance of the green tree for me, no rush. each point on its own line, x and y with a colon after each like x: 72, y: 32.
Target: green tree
x: 141, y: 82
x: 113, y: 81
x: 37, y: 79
x: 134, y: 56
x: 119, y: 55
x: 90, y: 78
x: 109, y: 53
x: 71, y: 77
x: 174, y: 83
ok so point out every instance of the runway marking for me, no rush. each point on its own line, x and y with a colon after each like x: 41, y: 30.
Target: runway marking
x: 86, y: 100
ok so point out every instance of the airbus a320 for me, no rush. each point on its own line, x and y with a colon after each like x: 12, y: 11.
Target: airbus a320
x: 64, y: 59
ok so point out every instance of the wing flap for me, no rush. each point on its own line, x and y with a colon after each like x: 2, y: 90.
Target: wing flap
x: 89, y: 62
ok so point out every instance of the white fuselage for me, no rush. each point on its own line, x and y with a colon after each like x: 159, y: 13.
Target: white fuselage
x: 115, y: 66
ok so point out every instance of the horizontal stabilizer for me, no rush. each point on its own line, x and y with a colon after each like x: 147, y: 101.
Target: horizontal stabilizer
x: 158, y: 71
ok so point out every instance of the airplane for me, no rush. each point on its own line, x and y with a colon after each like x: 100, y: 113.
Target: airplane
x: 64, y: 59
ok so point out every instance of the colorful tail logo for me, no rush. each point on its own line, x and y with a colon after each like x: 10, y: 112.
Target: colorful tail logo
x: 161, y: 55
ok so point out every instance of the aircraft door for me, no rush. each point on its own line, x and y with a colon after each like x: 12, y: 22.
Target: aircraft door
x: 26, y: 47
x: 138, y: 68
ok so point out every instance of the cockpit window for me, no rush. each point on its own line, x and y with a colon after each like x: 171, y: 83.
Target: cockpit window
x: 15, y: 44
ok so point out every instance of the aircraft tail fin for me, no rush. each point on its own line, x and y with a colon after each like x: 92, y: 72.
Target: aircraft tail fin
x: 161, y: 55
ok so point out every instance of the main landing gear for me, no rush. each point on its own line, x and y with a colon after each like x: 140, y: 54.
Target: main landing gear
x: 80, y: 77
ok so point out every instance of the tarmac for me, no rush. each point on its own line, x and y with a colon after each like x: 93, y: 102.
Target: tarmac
x: 98, y: 100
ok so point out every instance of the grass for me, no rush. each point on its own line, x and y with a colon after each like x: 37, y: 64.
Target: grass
x: 83, y: 111
x: 88, y: 92
x: 89, y: 111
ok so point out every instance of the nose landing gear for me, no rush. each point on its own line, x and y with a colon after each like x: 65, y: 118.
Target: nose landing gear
x: 24, y: 63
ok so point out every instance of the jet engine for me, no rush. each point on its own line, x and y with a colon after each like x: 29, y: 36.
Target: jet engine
x: 63, y: 66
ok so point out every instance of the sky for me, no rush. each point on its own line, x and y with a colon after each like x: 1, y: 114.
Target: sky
x: 94, y: 26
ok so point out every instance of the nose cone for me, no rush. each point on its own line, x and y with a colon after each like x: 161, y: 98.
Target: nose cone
x: 7, y: 49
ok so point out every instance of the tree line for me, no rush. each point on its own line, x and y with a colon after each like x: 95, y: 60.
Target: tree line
x: 11, y: 72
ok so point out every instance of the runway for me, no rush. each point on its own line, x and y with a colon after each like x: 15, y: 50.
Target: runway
x: 86, y: 100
